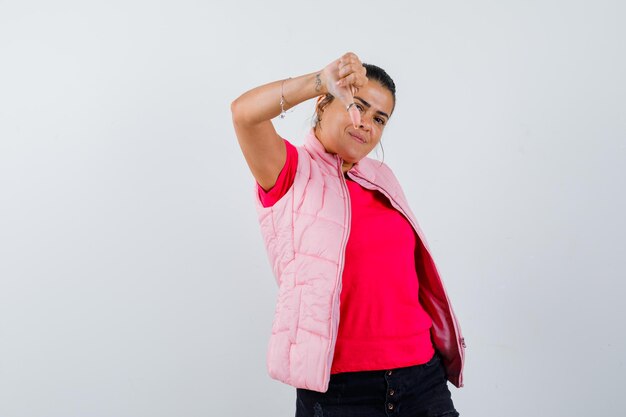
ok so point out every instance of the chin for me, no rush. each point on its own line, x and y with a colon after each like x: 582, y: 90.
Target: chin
x: 351, y: 159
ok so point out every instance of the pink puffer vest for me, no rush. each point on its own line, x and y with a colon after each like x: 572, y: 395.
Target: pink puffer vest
x: 305, y: 234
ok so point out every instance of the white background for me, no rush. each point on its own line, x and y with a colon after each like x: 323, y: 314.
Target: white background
x: 133, y: 278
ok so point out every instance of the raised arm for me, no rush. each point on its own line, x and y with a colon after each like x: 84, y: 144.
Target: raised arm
x: 252, y: 112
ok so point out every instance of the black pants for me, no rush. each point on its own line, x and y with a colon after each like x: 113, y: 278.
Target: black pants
x: 412, y: 391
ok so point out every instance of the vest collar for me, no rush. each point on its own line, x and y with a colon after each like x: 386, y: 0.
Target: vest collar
x: 316, y: 148
x: 365, y: 168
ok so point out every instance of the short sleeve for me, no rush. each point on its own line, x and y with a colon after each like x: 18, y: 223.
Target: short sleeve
x: 285, y: 178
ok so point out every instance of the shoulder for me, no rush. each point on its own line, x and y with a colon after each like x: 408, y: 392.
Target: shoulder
x: 376, y: 169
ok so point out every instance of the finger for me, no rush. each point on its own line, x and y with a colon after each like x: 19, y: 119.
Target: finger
x: 347, y: 80
x: 349, y: 56
x: 364, y: 74
x: 348, y: 59
x: 345, y: 70
x: 360, y: 81
x: 346, y: 67
x: 353, y: 67
x: 356, y: 77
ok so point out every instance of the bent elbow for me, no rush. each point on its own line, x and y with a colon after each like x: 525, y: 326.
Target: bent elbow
x: 238, y: 112
x: 234, y: 108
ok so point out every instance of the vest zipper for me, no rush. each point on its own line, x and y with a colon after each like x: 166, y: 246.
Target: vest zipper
x: 338, y: 281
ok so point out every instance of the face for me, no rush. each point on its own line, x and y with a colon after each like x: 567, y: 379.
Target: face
x: 337, y: 133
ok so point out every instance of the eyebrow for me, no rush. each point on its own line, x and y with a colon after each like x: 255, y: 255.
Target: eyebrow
x: 369, y: 105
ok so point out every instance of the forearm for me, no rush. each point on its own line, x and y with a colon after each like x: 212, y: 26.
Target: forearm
x: 263, y: 103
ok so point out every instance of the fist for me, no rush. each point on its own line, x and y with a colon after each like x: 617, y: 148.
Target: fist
x: 342, y: 78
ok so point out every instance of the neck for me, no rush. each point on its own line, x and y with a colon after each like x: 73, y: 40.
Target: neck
x: 346, y: 166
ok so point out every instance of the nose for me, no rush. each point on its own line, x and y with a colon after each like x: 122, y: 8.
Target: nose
x: 365, y: 123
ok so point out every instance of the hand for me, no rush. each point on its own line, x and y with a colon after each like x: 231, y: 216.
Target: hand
x: 343, y: 78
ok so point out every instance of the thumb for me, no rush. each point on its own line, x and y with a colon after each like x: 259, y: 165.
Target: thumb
x: 355, y: 116
x: 348, y: 100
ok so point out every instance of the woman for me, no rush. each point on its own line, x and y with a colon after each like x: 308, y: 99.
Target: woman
x: 363, y: 325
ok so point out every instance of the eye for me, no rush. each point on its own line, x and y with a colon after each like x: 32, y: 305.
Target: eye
x: 358, y: 106
x: 380, y: 120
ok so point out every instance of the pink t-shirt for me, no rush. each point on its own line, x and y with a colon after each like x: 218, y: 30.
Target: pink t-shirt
x: 382, y: 323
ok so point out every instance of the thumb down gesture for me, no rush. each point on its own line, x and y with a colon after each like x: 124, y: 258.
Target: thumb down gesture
x: 343, y: 78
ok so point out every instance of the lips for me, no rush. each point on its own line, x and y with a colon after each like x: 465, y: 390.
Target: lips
x: 357, y: 137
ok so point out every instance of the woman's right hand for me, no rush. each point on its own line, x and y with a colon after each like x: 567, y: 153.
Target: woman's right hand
x: 342, y: 78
